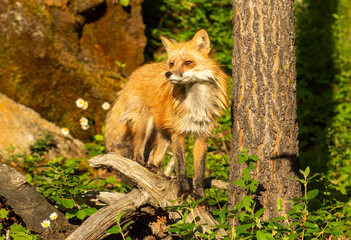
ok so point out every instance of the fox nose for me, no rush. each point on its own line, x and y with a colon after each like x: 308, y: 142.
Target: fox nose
x: 168, y: 74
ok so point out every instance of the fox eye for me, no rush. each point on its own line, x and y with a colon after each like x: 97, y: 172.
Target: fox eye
x: 188, y: 62
x: 171, y: 65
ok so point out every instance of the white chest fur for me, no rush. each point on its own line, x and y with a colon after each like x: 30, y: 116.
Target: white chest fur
x: 198, y: 104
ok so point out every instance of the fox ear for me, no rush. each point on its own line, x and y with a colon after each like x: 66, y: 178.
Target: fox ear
x: 168, y: 42
x: 202, y: 41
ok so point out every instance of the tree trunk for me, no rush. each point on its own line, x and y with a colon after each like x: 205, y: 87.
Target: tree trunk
x: 264, y: 100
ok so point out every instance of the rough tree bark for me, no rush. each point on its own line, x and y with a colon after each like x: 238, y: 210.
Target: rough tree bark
x: 264, y: 100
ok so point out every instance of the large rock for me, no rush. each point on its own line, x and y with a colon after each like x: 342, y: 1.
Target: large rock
x: 53, y: 52
x: 21, y: 127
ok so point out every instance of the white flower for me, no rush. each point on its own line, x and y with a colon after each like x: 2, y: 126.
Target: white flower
x: 85, y: 127
x: 83, y: 121
x: 53, y: 216
x: 45, y: 224
x: 106, y: 106
x: 80, y: 102
x: 85, y: 105
x: 64, y: 131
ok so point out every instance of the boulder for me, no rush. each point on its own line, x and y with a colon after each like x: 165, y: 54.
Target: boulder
x: 21, y: 127
x: 53, y: 52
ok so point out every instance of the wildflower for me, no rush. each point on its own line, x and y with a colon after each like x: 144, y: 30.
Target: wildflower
x: 80, y: 102
x: 85, y: 127
x: 85, y: 105
x: 106, y: 106
x: 64, y: 131
x: 53, y: 216
x: 83, y: 121
x: 45, y: 224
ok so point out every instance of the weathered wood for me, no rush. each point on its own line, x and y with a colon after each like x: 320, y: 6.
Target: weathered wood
x: 101, y: 198
x: 27, y: 203
x: 264, y: 100
x: 153, y: 189
x: 169, y: 168
x: 160, y: 188
x: 95, y: 226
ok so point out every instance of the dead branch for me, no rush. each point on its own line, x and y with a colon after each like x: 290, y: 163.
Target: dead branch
x: 95, y: 226
x: 153, y: 189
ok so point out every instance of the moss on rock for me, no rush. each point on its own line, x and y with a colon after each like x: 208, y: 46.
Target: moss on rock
x: 51, y: 54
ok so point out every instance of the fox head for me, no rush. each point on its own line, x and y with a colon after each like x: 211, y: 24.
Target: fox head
x: 188, y: 62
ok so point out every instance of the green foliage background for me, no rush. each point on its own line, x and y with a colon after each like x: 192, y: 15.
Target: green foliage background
x: 180, y: 19
x: 323, y: 34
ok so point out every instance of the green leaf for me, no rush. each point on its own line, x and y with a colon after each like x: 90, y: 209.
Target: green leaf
x: 68, y: 203
x: 293, y: 224
x: 124, y: 3
x: 246, y: 174
x: 296, y: 199
x: 81, y: 214
x: 49, y: 191
x: 99, y: 137
x: 119, y: 216
x: 269, y: 236
x: 252, y: 187
x: 293, y: 236
x: 280, y: 218
x: 312, y: 194
x: 247, y: 201
x: 3, y: 213
x: 18, y: 232
x: 259, y: 213
x: 309, y: 225
x: 252, y: 166
x: 71, y: 213
x: 254, y: 158
x: 185, y: 215
x: 307, y: 171
x: 89, y: 211
x: 279, y: 204
x: 174, y: 230
x: 243, y: 227
x: 197, y: 202
x: 240, y: 183
x: 260, y: 235
x: 338, y: 234
x: 127, y: 224
x: 29, y: 178
x: 114, y: 230
x: 56, y: 199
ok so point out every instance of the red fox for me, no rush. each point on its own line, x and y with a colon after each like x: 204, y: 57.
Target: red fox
x: 163, y: 102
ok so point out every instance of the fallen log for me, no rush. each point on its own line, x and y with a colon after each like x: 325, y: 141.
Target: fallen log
x: 31, y: 206
x: 151, y: 189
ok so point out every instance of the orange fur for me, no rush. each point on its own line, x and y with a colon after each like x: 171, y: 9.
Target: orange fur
x: 163, y: 102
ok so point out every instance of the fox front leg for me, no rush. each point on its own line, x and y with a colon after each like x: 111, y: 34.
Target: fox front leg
x: 200, y: 154
x: 178, y: 149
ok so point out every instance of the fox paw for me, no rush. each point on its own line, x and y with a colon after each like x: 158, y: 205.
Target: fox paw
x: 184, y: 189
